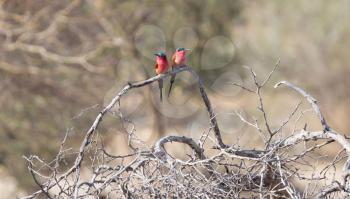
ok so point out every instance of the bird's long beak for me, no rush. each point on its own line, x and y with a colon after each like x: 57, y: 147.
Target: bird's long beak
x: 156, y: 54
x: 187, y: 49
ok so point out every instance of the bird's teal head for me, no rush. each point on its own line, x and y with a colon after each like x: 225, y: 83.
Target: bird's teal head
x: 160, y: 54
x: 181, y: 49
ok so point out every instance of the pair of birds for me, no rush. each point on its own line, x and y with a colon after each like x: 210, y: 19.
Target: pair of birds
x: 162, y: 65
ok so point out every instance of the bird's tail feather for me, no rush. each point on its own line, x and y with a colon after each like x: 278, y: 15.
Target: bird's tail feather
x: 160, y: 82
x: 171, y: 83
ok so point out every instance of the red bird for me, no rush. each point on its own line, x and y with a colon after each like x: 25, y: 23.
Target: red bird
x: 161, y: 67
x: 178, y: 59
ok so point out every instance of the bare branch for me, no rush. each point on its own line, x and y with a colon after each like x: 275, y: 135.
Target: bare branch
x: 231, y: 172
x: 243, y: 87
x: 160, y: 151
x: 310, y: 99
x: 271, y: 72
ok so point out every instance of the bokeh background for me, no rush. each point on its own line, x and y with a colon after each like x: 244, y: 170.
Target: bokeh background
x: 62, y: 61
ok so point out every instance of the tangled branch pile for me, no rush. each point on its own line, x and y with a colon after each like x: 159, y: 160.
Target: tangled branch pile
x: 278, y: 170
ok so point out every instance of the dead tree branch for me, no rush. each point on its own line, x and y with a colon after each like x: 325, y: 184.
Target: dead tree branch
x: 232, y: 172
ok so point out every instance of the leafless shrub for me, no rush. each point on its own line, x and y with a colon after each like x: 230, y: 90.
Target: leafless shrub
x: 276, y: 171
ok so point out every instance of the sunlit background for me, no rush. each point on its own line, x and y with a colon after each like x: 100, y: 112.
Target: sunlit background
x: 62, y: 61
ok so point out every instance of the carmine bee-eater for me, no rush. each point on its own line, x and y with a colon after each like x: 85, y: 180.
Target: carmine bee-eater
x: 178, y: 59
x: 161, y: 67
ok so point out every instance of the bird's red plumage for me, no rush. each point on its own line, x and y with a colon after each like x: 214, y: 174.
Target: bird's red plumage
x: 179, y: 58
x: 161, y: 65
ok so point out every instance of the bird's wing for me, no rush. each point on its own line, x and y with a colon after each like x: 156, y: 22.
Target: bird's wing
x: 173, y: 60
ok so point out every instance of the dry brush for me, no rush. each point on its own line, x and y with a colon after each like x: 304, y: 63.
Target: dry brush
x: 276, y: 170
